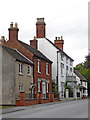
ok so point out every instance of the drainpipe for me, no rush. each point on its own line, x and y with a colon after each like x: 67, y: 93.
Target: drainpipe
x: 33, y: 70
x: 57, y: 71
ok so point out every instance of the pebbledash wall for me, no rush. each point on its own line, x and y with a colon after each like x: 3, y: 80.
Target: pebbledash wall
x: 8, y: 79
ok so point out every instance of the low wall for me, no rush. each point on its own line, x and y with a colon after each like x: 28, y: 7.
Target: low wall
x: 38, y: 100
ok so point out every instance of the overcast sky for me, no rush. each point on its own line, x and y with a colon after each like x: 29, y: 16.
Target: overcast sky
x: 68, y: 18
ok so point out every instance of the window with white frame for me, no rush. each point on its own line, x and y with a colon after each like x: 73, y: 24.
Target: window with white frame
x: 66, y: 59
x: 20, y: 68
x: 29, y: 70
x: 47, y: 68
x: 71, y: 70
x: 38, y: 62
x: 62, y: 57
x: 71, y: 62
x: 66, y: 70
x: 62, y: 69
x: 20, y: 87
x: 47, y: 87
x: 38, y: 86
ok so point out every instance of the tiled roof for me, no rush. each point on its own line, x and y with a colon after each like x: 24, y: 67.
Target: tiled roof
x: 59, y: 49
x: 36, y: 52
x: 79, y: 75
x: 17, y: 55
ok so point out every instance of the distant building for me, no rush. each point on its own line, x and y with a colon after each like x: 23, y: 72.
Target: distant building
x: 82, y: 84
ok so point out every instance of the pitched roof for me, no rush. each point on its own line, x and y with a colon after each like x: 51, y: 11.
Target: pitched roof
x: 17, y: 55
x: 36, y: 52
x: 79, y: 75
x: 60, y: 50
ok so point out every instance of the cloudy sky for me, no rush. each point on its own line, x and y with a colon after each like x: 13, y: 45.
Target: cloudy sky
x: 68, y: 18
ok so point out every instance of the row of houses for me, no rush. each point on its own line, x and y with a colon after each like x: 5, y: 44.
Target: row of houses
x: 28, y: 70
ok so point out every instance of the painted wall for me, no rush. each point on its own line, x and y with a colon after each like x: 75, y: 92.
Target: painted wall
x: 51, y: 52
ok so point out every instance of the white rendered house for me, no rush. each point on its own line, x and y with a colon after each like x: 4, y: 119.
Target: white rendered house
x: 82, y: 83
x: 62, y: 64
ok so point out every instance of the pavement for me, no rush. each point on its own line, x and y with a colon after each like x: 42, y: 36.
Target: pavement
x: 14, y: 109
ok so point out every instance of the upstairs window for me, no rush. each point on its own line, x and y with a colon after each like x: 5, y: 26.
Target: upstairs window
x: 47, y: 68
x: 62, y: 57
x: 71, y: 62
x: 66, y: 59
x: 20, y: 68
x: 38, y: 62
x: 62, y: 69
x: 29, y: 71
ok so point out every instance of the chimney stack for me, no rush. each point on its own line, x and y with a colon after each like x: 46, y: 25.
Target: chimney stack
x: 34, y: 43
x: 40, y: 28
x: 13, y: 31
x: 2, y: 40
x: 59, y: 42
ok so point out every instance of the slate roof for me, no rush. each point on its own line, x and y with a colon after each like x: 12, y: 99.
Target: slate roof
x: 36, y: 52
x: 59, y: 49
x: 17, y: 55
x: 79, y: 75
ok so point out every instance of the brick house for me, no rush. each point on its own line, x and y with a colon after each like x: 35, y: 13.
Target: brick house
x: 17, y: 75
x: 42, y: 65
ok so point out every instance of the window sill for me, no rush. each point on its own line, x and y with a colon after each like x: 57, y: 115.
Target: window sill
x: 21, y: 74
x: 28, y: 75
x: 39, y: 91
x: 47, y: 74
x: 39, y: 72
x: 62, y: 76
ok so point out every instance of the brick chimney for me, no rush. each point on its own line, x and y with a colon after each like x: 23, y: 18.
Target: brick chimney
x: 2, y: 40
x: 59, y: 42
x: 40, y: 28
x: 13, y: 32
x: 34, y: 43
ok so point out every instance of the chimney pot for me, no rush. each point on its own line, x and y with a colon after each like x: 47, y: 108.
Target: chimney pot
x: 61, y: 37
x: 2, y: 38
x: 16, y: 25
x: 11, y: 25
x: 55, y: 38
x: 58, y: 38
x: 34, y: 37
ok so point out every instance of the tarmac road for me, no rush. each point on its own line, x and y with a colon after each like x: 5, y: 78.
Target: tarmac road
x: 72, y: 109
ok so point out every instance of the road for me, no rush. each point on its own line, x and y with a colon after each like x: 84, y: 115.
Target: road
x: 72, y: 109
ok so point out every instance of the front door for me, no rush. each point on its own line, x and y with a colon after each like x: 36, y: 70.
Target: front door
x: 43, y: 90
